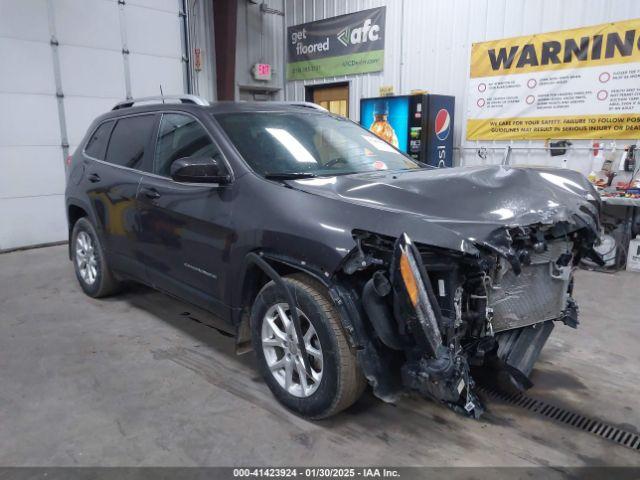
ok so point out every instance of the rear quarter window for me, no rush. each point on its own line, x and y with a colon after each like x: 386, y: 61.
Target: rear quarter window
x: 97, y: 144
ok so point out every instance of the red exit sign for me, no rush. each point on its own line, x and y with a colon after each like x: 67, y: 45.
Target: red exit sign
x: 262, y: 71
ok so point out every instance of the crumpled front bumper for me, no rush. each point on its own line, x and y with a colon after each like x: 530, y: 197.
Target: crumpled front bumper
x: 442, y: 340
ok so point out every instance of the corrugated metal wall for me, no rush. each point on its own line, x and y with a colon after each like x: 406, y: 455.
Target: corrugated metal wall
x: 259, y: 40
x: 427, y: 46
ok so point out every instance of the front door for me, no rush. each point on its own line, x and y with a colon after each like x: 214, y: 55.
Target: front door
x: 185, y: 229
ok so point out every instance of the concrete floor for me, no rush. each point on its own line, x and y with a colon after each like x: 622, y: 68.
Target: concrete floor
x: 130, y: 381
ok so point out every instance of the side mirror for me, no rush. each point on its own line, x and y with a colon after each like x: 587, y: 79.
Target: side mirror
x: 199, y: 170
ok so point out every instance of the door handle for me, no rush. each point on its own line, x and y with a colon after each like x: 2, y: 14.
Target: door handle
x: 93, y: 177
x: 151, y: 193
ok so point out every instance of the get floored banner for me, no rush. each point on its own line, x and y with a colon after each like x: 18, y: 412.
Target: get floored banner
x: 581, y: 83
x: 343, y: 45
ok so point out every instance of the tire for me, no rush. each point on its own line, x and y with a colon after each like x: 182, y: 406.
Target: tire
x: 341, y: 382
x: 86, y: 249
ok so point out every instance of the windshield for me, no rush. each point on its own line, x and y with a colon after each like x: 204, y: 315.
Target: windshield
x: 281, y: 144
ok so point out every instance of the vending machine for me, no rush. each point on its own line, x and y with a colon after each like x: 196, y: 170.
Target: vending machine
x: 419, y: 125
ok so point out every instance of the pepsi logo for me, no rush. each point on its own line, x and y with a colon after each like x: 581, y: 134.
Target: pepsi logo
x: 443, y: 124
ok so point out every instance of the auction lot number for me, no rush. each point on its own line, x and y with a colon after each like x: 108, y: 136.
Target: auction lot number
x: 315, y: 472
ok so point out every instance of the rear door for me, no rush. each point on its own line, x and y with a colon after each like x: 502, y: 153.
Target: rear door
x: 186, y: 228
x: 112, y: 184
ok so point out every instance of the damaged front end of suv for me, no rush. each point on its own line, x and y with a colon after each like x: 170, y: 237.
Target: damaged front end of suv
x: 437, y: 318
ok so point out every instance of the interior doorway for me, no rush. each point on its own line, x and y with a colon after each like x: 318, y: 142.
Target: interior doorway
x: 334, y: 97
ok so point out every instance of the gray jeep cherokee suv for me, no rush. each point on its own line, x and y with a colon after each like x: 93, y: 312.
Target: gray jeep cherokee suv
x: 339, y: 260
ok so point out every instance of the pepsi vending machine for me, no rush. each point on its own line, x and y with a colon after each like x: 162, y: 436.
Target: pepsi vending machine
x: 419, y: 125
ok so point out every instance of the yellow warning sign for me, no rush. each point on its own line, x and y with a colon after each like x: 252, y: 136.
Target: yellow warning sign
x: 580, y: 83
x: 542, y: 128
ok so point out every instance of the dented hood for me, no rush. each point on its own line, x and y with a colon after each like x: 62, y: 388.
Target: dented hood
x: 469, y: 202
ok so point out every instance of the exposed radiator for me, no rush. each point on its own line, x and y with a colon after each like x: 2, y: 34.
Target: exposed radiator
x: 539, y: 293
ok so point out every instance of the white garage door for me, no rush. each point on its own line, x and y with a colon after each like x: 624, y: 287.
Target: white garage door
x: 106, y: 50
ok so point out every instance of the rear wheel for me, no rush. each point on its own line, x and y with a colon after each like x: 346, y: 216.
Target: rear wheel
x: 89, y: 261
x: 334, y: 380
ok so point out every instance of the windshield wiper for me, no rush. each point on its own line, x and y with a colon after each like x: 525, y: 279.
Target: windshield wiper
x: 289, y: 175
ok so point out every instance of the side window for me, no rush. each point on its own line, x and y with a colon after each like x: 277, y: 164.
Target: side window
x: 180, y: 136
x: 97, y: 144
x: 129, y: 141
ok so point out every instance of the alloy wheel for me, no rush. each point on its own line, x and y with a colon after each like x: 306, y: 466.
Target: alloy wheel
x: 86, y: 258
x: 284, y: 359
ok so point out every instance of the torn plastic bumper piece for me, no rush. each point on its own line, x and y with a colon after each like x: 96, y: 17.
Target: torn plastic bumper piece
x: 445, y: 379
x: 518, y: 351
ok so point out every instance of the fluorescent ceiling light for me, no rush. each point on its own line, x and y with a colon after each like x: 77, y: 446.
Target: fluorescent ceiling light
x: 295, y: 148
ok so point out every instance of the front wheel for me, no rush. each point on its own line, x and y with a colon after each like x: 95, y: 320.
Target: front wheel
x: 334, y: 381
